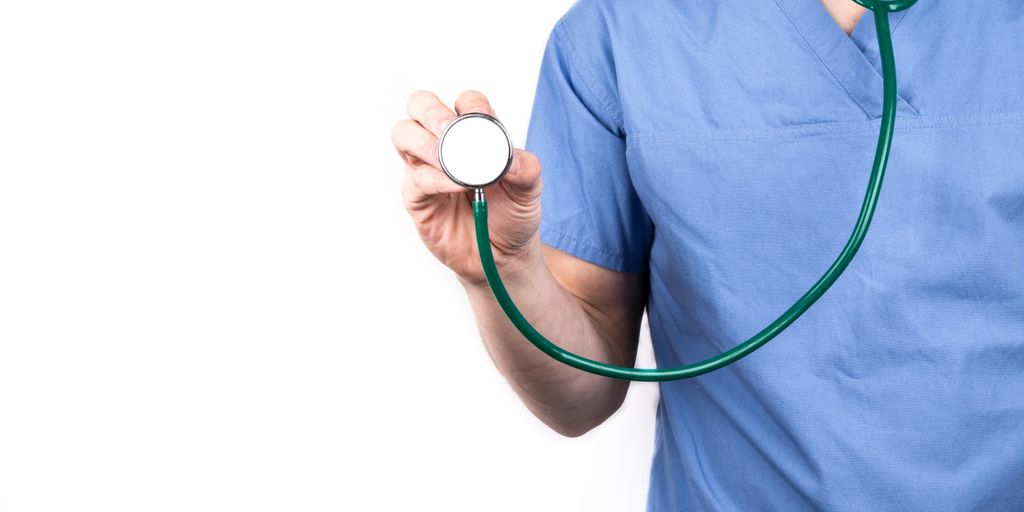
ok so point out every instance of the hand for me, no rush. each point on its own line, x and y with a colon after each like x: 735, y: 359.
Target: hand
x: 442, y: 210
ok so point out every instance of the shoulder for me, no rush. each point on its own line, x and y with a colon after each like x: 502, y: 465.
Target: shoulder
x: 610, y: 18
x: 600, y: 32
x: 603, y: 40
x: 624, y: 17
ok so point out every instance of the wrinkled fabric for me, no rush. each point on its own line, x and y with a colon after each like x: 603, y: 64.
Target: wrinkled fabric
x: 724, y: 148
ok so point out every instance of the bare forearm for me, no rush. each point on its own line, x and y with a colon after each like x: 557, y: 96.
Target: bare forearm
x: 568, y: 400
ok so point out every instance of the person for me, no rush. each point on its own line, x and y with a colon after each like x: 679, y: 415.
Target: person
x: 705, y: 162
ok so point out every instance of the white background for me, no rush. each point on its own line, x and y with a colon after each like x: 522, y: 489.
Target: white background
x: 211, y: 297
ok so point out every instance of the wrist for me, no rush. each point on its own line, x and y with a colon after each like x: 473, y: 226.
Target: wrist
x: 522, y: 267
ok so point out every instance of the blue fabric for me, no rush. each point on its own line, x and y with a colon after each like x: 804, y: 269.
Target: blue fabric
x: 724, y: 147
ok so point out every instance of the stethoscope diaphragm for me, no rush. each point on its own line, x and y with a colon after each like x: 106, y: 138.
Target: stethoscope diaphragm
x: 475, y: 150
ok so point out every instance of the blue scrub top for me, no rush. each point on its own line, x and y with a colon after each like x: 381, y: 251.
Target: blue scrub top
x: 724, y: 147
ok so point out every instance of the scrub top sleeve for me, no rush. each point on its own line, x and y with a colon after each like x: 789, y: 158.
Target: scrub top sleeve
x: 589, y: 206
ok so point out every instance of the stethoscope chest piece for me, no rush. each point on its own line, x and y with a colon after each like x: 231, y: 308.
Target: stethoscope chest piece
x: 475, y: 150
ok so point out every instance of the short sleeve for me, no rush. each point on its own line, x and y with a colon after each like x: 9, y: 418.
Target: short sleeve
x: 589, y: 206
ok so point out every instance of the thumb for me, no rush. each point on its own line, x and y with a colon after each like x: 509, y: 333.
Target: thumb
x: 523, y: 177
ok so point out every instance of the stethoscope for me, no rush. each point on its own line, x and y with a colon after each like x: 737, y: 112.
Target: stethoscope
x: 475, y: 151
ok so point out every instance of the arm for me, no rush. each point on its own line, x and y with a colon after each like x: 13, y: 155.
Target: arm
x: 587, y: 309
x: 593, y: 311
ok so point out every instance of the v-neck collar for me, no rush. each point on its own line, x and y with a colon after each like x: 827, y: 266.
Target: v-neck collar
x: 850, y: 59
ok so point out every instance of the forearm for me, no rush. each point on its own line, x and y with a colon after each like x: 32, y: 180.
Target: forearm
x: 568, y: 400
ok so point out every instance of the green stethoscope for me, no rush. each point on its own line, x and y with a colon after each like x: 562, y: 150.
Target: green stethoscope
x: 475, y: 151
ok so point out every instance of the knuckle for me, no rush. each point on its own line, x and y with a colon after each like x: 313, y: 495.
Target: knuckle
x: 418, y: 99
x: 412, y: 178
x: 406, y: 135
x: 426, y: 146
x: 396, y: 131
x: 409, y: 192
x: 437, y: 113
x: 416, y: 180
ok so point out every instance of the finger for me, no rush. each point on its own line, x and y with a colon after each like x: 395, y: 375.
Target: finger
x: 427, y: 109
x: 473, y: 101
x: 413, y: 140
x: 523, y: 178
x: 424, y: 182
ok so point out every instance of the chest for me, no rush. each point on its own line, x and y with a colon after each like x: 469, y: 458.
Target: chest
x: 753, y: 177
x: 786, y: 63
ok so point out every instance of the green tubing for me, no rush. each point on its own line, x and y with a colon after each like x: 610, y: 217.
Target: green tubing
x: 776, y: 327
x: 886, y: 5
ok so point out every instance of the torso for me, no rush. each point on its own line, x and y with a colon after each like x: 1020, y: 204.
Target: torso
x: 750, y: 129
